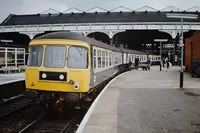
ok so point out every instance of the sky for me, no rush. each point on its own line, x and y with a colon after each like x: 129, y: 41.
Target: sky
x: 37, y: 6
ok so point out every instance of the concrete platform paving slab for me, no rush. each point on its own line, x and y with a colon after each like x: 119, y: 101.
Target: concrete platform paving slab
x: 147, y: 102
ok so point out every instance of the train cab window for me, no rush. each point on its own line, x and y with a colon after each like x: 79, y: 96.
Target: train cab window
x: 55, y: 56
x: 35, y: 56
x: 77, y: 57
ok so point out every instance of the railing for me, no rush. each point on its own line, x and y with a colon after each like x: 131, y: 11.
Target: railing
x: 12, y: 59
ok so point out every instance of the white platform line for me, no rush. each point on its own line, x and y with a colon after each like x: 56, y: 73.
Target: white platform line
x: 89, y: 112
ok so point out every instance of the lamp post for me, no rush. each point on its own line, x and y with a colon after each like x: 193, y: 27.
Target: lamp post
x: 181, y: 16
x: 160, y: 40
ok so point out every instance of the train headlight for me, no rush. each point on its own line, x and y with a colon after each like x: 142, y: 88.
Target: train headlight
x: 44, y: 75
x: 76, y: 86
x: 61, y: 77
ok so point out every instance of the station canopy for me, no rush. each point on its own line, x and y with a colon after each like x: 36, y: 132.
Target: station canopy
x: 99, y: 15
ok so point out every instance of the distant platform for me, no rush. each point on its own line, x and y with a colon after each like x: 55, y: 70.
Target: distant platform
x: 10, y: 78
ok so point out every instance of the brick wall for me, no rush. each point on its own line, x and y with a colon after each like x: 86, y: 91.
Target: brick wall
x: 188, y: 54
x: 196, y: 46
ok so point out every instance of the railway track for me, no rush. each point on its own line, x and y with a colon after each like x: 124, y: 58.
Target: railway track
x: 46, y: 123
x: 14, y: 122
x: 13, y: 104
x: 16, y: 116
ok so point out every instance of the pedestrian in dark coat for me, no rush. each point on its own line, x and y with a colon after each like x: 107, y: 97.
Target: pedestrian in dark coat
x: 148, y: 63
x: 136, y: 63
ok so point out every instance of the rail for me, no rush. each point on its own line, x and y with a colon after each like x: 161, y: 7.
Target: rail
x: 13, y: 105
x: 45, y: 125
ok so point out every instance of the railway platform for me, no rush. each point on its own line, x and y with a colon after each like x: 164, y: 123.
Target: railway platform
x: 146, y: 102
x: 11, y: 85
x: 10, y: 78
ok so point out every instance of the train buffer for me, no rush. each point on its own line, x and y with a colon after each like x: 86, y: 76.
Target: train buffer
x: 146, y: 102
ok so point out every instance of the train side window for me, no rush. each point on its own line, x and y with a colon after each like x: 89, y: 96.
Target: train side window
x: 106, y: 58
x: 77, y: 57
x: 110, y: 59
x: 113, y: 58
x: 94, y: 61
x: 116, y: 58
x: 103, y: 59
x: 132, y: 57
x: 99, y: 58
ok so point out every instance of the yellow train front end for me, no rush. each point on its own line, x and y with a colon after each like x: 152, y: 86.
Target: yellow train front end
x: 58, y: 68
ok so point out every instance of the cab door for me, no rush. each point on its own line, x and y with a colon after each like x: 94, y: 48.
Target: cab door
x: 79, y: 65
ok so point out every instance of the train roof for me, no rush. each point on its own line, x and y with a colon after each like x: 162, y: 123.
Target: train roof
x: 132, y: 51
x: 76, y: 36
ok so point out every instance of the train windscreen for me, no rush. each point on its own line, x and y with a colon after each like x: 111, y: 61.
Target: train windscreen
x: 35, y: 56
x: 55, y: 56
x: 77, y: 57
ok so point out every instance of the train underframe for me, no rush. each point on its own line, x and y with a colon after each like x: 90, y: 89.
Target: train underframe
x: 59, y: 100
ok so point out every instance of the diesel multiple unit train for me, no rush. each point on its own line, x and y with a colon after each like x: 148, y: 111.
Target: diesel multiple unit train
x: 67, y: 66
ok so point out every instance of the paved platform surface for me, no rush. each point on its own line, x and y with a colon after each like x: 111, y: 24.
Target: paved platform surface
x: 10, y: 78
x: 148, y: 102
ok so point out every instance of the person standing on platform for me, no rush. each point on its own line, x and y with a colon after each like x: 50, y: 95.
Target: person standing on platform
x: 163, y: 61
x: 148, y: 63
x: 136, y: 62
x: 130, y: 64
x: 167, y: 62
